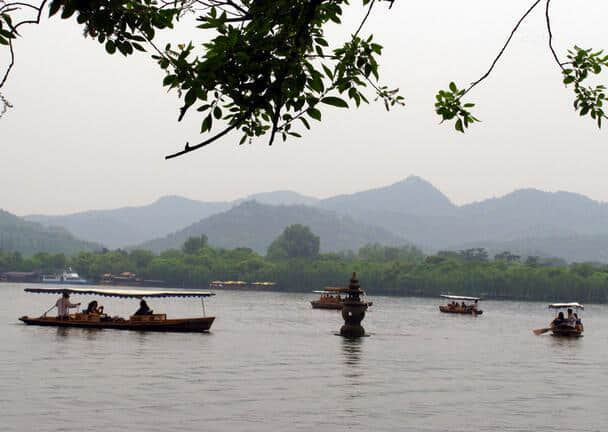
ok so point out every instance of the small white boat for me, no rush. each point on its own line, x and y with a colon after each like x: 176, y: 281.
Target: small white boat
x: 71, y: 277
x: 68, y: 276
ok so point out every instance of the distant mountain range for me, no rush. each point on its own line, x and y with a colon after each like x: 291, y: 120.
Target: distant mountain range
x: 18, y: 235
x: 255, y: 225
x: 526, y: 221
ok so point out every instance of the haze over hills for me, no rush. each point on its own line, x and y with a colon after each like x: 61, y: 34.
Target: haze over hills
x: 255, y: 225
x: 411, y: 210
x: 131, y: 225
x: 18, y: 235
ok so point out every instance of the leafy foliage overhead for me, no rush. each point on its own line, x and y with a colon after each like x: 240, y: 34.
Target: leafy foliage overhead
x: 268, y: 68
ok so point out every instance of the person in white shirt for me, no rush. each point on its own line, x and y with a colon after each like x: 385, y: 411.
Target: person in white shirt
x: 64, y: 305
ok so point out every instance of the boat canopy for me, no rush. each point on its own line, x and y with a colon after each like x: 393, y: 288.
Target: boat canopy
x: 453, y: 297
x: 326, y: 292
x: 573, y: 305
x: 122, y: 292
x: 336, y: 289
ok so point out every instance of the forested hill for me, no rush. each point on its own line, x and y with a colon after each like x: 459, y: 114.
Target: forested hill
x: 18, y: 235
x: 131, y: 225
x: 254, y: 225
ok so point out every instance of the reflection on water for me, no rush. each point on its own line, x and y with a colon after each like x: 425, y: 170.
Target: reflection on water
x: 352, y: 350
x: 273, y: 363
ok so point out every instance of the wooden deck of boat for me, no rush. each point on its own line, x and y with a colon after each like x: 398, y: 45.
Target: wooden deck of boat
x: 194, y: 325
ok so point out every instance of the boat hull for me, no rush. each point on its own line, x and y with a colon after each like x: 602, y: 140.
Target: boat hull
x: 322, y: 305
x: 193, y: 325
x: 316, y: 304
x: 445, y: 309
x: 567, y: 331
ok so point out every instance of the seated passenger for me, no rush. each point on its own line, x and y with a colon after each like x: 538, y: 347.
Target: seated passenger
x: 571, y: 320
x: 93, y: 308
x: 578, y: 323
x: 143, y: 309
x: 558, y: 320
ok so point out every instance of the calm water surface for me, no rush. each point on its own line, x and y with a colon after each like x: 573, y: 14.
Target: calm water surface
x: 273, y: 363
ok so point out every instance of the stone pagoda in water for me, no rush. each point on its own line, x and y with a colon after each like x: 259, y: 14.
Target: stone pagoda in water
x: 353, y: 310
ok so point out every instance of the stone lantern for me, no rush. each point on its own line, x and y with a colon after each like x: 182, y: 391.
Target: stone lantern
x: 353, y: 310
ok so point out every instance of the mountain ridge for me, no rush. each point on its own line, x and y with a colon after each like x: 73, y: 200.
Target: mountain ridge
x: 411, y: 209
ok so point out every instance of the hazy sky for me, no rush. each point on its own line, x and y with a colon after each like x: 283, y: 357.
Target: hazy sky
x: 89, y: 130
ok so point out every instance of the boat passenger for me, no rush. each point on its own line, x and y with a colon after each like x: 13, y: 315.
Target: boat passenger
x: 578, y: 323
x: 143, y: 309
x: 558, y: 320
x: 571, y: 319
x: 63, y: 306
x: 93, y: 308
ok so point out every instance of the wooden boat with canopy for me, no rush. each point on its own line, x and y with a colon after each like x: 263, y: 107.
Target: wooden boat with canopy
x: 570, y: 325
x: 331, y: 298
x: 461, y: 305
x: 144, y: 322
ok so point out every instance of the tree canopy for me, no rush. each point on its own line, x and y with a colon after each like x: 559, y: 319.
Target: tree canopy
x: 381, y: 272
x: 268, y: 68
x: 195, y: 244
x: 296, y: 241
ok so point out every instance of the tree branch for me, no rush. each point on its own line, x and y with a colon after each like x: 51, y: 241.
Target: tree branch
x: 484, y: 76
x: 10, y: 66
x: 548, y: 19
x: 369, y: 10
x: 189, y: 149
x: 14, y: 29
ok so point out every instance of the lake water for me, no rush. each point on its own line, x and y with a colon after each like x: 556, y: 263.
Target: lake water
x: 273, y: 363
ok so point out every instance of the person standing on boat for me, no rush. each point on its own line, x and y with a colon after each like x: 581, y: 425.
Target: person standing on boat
x: 63, y: 306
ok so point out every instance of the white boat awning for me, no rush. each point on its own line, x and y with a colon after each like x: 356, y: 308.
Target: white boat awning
x: 573, y: 305
x: 123, y: 292
x: 453, y: 297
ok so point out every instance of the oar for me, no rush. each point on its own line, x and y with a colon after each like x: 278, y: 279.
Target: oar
x: 541, y: 331
x: 52, y: 307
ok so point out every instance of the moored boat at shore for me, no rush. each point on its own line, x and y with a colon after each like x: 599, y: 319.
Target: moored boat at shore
x: 144, y: 322
x: 68, y: 276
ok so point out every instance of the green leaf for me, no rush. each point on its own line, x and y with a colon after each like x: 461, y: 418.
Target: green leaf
x: 55, y: 5
x: 334, y: 101
x: 314, y: 113
x: 110, y: 47
x: 190, y: 97
x: 206, y: 125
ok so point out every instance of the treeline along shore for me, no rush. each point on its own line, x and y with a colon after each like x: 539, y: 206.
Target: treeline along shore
x: 399, y: 271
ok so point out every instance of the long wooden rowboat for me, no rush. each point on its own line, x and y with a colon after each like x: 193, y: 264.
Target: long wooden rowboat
x: 133, y: 323
x: 150, y: 322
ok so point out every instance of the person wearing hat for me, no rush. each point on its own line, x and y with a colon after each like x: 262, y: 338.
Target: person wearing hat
x: 63, y: 306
